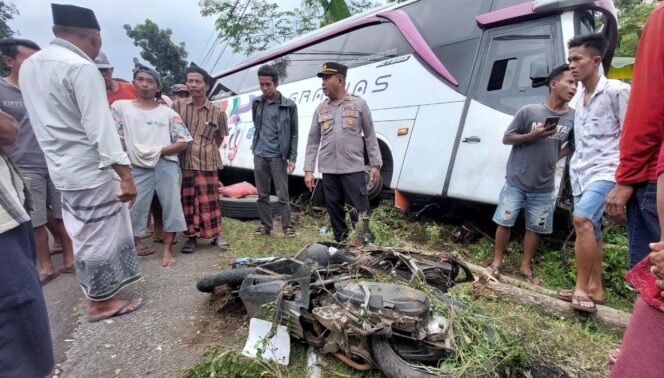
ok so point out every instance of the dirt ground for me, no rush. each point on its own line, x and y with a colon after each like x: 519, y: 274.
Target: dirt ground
x: 170, y: 333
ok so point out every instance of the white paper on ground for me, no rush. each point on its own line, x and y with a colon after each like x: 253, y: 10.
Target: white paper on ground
x: 276, y: 349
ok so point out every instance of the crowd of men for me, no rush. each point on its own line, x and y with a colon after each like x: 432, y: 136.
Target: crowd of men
x: 85, y: 155
x: 614, y: 136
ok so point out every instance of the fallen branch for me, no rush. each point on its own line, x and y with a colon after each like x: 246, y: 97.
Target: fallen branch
x: 542, y: 299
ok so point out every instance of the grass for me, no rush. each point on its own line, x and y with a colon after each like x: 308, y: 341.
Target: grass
x: 522, y: 338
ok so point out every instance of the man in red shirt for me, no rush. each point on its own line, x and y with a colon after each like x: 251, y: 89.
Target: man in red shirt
x: 115, y: 90
x: 640, y: 143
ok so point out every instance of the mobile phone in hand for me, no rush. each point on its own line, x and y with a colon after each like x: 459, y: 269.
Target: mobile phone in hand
x: 551, y: 123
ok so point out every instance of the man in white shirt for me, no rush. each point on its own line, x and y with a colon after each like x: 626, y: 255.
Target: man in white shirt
x: 153, y: 135
x: 600, y: 112
x: 66, y: 101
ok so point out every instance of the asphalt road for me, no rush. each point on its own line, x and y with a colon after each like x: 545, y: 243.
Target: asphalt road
x: 167, y: 335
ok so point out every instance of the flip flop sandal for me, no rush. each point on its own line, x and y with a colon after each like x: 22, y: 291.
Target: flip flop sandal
x: 493, y: 270
x: 147, y: 251
x: 530, y: 278
x: 565, y: 295
x: 290, y: 232
x: 578, y: 307
x: 598, y: 301
x: 70, y: 270
x: 161, y: 241
x: 118, y: 312
x: 48, y: 278
x: 262, y: 231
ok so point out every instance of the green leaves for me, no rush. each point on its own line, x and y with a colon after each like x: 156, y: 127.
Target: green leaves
x: 632, y: 18
x: 250, y: 26
x: 158, y: 49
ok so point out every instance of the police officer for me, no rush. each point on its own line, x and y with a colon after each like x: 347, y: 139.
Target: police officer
x: 342, y: 128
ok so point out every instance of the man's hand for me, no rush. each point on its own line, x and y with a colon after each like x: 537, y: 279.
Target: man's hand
x: 616, y: 201
x: 375, y: 175
x: 127, y: 191
x: 539, y: 132
x: 291, y: 167
x: 9, y: 128
x: 309, y: 180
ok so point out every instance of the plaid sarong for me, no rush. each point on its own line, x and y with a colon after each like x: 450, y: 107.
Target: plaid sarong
x: 200, y: 203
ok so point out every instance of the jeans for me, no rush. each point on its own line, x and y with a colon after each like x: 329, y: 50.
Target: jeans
x: 539, y: 209
x: 275, y: 170
x: 590, y: 204
x: 164, y: 179
x: 642, y: 221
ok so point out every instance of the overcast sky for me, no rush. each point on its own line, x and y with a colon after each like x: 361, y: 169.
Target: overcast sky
x: 181, y: 16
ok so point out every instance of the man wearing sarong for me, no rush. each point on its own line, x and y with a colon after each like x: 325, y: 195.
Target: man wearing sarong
x: 66, y: 101
x: 201, y: 161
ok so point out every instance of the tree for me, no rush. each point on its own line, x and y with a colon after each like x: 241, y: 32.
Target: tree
x: 249, y: 26
x: 7, y: 12
x: 166, y: 57
x: 632, y: 16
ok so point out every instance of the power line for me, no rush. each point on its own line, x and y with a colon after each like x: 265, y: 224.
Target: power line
x: 227, y: 40
x: 206, y: 43
x: 216, y: 41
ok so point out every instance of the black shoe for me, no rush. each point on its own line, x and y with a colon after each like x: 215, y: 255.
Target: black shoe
x: 189, y: 246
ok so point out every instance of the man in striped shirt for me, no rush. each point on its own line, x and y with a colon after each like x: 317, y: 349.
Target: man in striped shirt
x: 201, y: 161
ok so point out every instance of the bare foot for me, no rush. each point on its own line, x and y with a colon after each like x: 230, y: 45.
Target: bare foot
x: 168, y: 259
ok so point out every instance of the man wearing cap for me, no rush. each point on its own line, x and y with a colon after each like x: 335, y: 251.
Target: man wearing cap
x: 179, y: 91
x: 341, y: 128
x: 201, y: 161
x: 115, y: 90
x: 64, y: 95
x: 153, y: 135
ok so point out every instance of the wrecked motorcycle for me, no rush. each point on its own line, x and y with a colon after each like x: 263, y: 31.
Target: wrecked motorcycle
x: 325, y: 296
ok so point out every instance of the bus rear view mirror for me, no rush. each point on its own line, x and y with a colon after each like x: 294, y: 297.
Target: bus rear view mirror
x: 539, y: 72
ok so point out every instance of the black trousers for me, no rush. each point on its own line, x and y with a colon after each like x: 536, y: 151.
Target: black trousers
x: 25, y: 337
x: 339, y: 189
x: 275, y: 170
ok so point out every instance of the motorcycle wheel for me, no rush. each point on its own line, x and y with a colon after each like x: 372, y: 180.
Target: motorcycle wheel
x: 391, y: 364
x: 231, y: 277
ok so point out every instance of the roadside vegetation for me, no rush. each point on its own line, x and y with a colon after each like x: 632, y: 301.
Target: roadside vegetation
x: 493, y: 337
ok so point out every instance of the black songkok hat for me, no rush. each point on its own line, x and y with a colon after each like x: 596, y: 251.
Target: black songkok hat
x: 73, y: 16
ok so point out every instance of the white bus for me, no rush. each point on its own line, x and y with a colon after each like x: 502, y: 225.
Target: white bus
x: 443, y: 79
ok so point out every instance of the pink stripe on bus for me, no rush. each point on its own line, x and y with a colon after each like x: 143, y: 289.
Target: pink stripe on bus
x: 417, y: 42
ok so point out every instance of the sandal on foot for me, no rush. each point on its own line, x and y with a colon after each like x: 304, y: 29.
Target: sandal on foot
x: 43, y: 280
x: 161, y: 241
x: 290, y: 232
x: 565, y: 295
x: 189, y: 246
x: 493, y: 270
x: 262, y: 231
x: 123, y: 310
x: 145, y: 251
x: 68, y: 270
x: 582, y: 298
x: 221, y: 243
x: 530, y: 278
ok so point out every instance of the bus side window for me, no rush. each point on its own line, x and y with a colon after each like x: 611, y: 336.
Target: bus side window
x: 505, y: 82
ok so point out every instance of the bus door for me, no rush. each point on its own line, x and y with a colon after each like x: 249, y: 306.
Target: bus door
x: 502, y: 84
